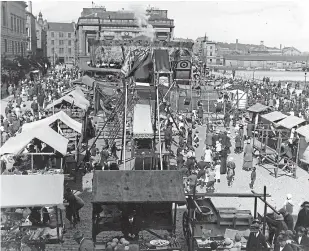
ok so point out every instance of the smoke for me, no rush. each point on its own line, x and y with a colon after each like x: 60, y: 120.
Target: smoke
x: 142, y: 22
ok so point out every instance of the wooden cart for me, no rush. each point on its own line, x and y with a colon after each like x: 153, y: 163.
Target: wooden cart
x: 148, y: 198
x: 203, y: 221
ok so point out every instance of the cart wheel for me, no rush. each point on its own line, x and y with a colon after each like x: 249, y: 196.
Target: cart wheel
x: 185, y: 226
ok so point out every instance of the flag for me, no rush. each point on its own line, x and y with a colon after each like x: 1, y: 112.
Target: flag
x: 143, y: 72
x: 139, y: 58
x: 126, y: 64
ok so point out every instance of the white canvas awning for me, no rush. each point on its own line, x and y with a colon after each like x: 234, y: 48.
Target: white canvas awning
x: 290, y: 122
x: 16, y: 145
x: 77, y: 102
x: 142, y: 127
x: 274, y: 116
x: 31, y: 190
x: 303, y: 131
x: 73, y: 124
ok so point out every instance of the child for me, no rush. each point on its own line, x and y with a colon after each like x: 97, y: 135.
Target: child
x: 217, y: 169
x: 230, y: 176
x: 196, y: 140
x: 253, y: 177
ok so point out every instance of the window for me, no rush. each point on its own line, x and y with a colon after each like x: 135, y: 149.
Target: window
x: 60, y: 34
x: 69, y: 42
x: 211, y: 47
x: 69, y: 51
x: 12, y: 47
x: 210, y: 60
x: 61, y: 50
x: 53, y: 42
x: 52, y: 34
x: 3, y: 15
x: 69, y: 35
x: 210, y: 54
x: 12, y: 23
x: 53, y: 50
x: 61, y: 42
x: 15, y: 24
x: 5, y: 45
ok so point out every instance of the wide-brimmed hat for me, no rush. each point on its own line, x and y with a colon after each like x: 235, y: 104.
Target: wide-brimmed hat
x: 255, y: 227
x: 278, y: 217
x: 305, y: 204
x: 78, y: 235
x: 228, y: 243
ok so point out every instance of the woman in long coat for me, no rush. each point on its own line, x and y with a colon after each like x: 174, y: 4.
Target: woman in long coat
x: 248, y: 157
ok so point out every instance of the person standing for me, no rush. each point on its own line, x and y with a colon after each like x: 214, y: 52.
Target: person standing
x: 288, y: 204
x: 84, y: 243
x: 256, y: 240
x: 248, y: 157
x: 288, y: 219
x: 253, y: 177
x: 303, y: 216
x: 34, y: 107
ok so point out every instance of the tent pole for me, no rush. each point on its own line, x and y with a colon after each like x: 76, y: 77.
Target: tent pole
x: 265, y: 211
x: 297, y: 159
x: 158, y: 111
x: 57, y: 220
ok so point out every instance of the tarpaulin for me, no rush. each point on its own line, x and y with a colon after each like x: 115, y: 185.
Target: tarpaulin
x: 162, y: 63
x: 31, y: 190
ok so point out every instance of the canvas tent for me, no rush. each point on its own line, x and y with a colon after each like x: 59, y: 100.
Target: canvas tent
x: 274, y: 116
x: 142, y: 127
x: 32, y: 190
x: 290, y: 122
x: 239, y: 98
x: 85, y: 80
x: 304, y: 131
x: 74, y: 98
x: 62, y: 116
x: 16, y: 145
x: 257, y: 108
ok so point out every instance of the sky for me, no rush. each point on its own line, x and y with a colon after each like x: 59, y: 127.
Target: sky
x: 274, y: 22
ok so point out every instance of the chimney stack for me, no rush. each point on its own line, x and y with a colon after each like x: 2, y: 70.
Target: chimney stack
x: 236, y: 45
x: 280, y: 46
x: 30, y: 7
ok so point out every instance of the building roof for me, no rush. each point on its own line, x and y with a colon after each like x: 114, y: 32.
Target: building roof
x: 291, y: 48
x: 266, y: 58
x: 64, y: 27
x: 138, y: 187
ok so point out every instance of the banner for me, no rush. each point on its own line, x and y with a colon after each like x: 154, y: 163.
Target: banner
x: 126, y: 64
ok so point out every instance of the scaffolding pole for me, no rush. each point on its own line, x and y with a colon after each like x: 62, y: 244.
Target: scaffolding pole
x: 125, y: 124
x: 158, y: 119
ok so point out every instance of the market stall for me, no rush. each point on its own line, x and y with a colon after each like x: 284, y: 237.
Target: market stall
x: 303, y: 149
x: 29, y: 143
x: 31, y: 215
x: 256, y: 111
x: 204, y: 223
x: 136, y: 201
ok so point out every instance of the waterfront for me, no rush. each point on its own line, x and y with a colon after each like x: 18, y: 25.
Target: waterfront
x: 273, y: 75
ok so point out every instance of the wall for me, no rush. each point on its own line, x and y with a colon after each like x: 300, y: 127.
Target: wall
x: 63, y: 50
x: 13, y: 28
x: 32, y: 39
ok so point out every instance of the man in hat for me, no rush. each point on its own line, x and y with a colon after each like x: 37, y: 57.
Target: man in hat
x: 303, y: 216
x: 256, y: 240
x: 288, y: 219
x: 277, y: 224
x: 301, y: 238
x: 84, y: 244
x: 282, y: 244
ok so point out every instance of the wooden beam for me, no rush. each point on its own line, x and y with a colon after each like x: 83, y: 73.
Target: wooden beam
x: 237, y: 195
